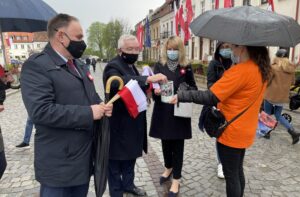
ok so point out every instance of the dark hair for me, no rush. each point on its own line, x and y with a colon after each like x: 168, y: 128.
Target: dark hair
x: 60, y: 20
x: 260, y: 56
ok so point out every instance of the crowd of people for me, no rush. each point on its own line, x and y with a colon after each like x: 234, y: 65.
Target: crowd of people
x: 62, y: 103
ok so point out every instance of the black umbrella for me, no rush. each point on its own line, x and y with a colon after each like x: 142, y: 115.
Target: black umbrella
x: 247, y: 25
x: 24, y: 16
x: 102, y: 142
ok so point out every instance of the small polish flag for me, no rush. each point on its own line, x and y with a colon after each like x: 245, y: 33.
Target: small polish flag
x: 134, y: 98
x: 147, y: 71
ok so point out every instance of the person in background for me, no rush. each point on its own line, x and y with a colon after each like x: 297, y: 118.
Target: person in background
x: 128, y: 135
x: 27, y: 134
x: 172, y: 130
x: 277, y: 92
x: 216, y: 68
x: 88, y: 63
x: 94, y: 62
x: 4, y: 84
x: 241, y: 87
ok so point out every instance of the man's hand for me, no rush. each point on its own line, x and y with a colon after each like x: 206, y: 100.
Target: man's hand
x: 107, y: 109
x: 98, y: 111
x: 1, y: 108
x: 174, y: 99
x: 157, y: 78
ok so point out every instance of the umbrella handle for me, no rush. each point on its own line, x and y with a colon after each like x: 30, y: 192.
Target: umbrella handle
x: 110, y: 80
x: 108, y: 86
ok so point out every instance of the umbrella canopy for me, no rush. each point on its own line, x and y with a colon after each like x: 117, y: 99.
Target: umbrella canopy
x: 102, y: 136
x: 247, y: 25
x: 24, y: 15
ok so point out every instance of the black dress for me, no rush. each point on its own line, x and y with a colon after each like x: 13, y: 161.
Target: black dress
x: 164, y: 124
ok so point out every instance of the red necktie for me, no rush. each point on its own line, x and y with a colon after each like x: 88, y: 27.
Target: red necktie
x: 72, y: 67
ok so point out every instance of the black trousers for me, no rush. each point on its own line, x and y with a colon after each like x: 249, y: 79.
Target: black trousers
x: 120, y: 176
x: 232, y: 161
x: 2, y: 163
x: 173, y: 155
x: 73, y: 191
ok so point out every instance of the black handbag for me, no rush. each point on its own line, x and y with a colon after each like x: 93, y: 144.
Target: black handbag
x: 215, y: 123
x: 295, y: 101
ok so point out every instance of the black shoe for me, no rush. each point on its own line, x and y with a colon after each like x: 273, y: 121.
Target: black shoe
x: 23, y: 145
x: 295, y: 136
x: 267, y: 136
x: 136, y: 191
x: 163, y: 179
x: 173, y: 194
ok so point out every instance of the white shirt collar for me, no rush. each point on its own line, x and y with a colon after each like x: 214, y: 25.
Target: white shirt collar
x: 65, y: 59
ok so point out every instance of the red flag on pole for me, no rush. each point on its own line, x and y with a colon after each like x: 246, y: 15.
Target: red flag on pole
x: 139, y: 34
x: 227, y: 3
x: 217, y: 4
x: 190, y: 13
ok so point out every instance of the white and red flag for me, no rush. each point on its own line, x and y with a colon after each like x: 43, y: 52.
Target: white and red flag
x: 134, y: 98
x: 176, y: 20
x: 140, y: 34
x: 271, y: 5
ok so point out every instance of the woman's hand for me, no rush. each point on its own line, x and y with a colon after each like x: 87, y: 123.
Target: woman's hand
x: 174, y: 99
x: 157, y: 91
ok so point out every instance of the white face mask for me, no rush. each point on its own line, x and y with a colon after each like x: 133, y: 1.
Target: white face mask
x: 235, y: 59
x: 173, y: 54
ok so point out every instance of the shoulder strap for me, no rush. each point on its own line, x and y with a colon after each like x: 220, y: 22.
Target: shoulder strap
x: 242, y: 112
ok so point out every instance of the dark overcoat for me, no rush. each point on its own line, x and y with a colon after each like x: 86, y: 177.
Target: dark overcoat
x: 58, y: 101
x: 128, y: 136
x: 164, y: 124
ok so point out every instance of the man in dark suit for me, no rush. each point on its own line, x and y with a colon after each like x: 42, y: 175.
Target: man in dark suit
x: 62, y: 102
x: 128, y: 135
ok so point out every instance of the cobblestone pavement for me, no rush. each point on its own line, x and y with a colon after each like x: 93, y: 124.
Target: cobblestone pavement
x: 272, y: 167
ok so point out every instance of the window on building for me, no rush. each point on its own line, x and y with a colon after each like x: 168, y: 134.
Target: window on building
x: 157, y: 32
x: 25, y: 38
x: 264, y: 1
x: 18, y: 37
x: 246, y: 2
x: 202, y: 3
x: 22, y: 46
x: 12, y: 38
x: 15, y: 46
x: 38, y: 45
x: 194, y: 8
x: 28, y: 47
x: 172, y: 28
x: 211, y: 47
x: 213, y: 4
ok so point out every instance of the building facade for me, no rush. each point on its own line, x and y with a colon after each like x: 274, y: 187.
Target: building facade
x: 20, y: 45
x: 202, y: 49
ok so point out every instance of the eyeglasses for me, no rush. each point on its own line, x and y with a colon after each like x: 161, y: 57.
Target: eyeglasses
x: 132, y: 49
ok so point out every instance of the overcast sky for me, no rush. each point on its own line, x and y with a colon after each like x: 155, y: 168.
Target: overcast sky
x: 89, y: 11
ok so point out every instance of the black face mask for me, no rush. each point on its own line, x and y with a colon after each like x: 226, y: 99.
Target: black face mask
x: 76, y: 48
x: 129, y: 58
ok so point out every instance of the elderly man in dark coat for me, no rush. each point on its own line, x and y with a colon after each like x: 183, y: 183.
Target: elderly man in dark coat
x: 128, y: 135
x: 62, y: 102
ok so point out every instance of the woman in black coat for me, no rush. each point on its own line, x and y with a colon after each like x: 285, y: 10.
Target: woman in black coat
x: 170, y: 129
x: 216, y: 68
